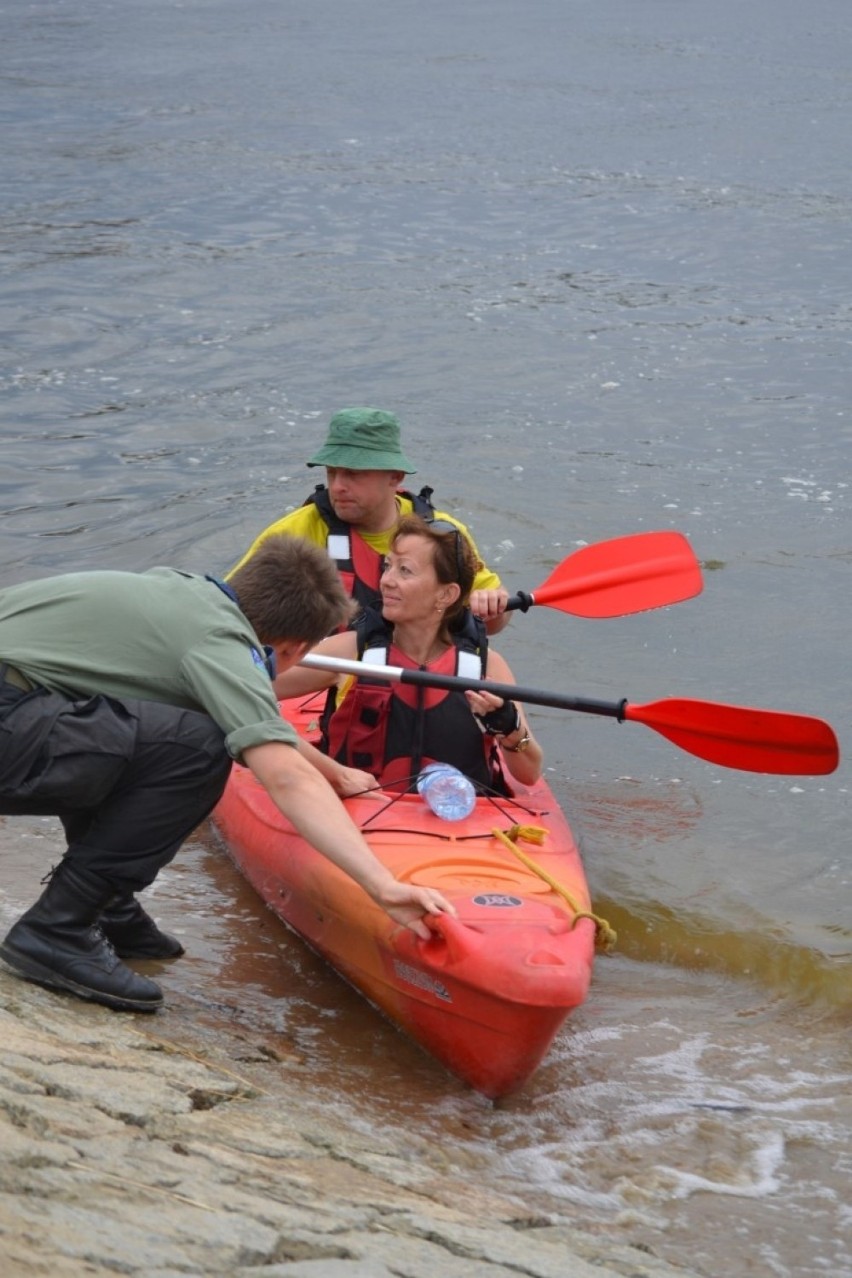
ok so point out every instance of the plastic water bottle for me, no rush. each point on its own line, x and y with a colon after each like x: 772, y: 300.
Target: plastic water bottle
x: 449, y: 793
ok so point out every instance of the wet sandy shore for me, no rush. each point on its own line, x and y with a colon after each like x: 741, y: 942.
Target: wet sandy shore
x: 133, y: 1145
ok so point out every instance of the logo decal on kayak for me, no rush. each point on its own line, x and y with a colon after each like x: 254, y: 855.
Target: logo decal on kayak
x: 414, y: 976
x: 498, y: 899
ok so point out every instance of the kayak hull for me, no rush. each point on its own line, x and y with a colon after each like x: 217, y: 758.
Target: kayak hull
x: 489, y: 990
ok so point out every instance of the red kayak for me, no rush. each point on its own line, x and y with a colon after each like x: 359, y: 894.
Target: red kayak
x: 489, y: 990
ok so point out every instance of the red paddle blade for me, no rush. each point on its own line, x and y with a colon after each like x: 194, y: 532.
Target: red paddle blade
x: 740, y: 737
x: 623, y: 575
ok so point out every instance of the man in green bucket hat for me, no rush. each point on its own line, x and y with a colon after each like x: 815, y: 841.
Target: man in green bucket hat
x: 355, y: 513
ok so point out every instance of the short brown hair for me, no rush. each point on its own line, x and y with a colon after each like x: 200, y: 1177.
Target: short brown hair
x: 290, y: 589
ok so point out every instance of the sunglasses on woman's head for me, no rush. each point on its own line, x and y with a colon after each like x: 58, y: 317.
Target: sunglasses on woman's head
x: 444, y: 526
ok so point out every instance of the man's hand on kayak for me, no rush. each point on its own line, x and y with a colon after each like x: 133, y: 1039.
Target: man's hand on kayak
x: 409, y: 904
x: 304, y: 794
x: 349, y: 781
x: 344, y: 781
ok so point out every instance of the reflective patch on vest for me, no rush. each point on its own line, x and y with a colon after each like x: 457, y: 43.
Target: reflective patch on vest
x: 339, y: 548
x: 469, y: 665
x: 375, y: 657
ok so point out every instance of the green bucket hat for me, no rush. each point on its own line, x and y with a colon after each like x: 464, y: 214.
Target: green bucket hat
x: 363, y: 439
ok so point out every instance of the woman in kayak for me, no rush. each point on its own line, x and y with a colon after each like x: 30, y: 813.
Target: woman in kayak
x: 394, y: 730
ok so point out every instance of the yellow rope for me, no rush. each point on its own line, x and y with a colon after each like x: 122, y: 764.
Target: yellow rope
x: 605, y: 936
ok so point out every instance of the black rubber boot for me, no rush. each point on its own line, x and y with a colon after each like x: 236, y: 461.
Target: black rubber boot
x: 134, y: 934
x: 57, y: 943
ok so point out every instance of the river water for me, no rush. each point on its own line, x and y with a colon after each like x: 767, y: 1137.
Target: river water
x: 597, y: 258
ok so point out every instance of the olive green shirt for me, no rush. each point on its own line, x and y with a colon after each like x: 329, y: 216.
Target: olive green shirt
x: 160, y: 635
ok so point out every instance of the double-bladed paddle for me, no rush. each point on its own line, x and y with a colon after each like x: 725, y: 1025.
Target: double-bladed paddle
x: 620, y: 576
x: 733, y: 736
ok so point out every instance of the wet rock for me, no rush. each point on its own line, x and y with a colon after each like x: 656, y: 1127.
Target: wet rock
x: 124, y: 1152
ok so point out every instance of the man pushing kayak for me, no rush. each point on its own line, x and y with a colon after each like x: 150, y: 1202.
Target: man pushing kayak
x: 124, y: 699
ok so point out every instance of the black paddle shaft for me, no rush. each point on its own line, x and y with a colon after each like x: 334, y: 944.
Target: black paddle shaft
x: 514, y: 692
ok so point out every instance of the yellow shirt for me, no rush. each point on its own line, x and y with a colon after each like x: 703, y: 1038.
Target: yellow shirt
x: 307, y: 522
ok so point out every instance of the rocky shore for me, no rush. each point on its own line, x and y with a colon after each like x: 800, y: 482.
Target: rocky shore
x: 130, y: 1145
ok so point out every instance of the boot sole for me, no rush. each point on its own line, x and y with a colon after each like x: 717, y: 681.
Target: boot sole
x: 33, y: 971
x: 139, y: 953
